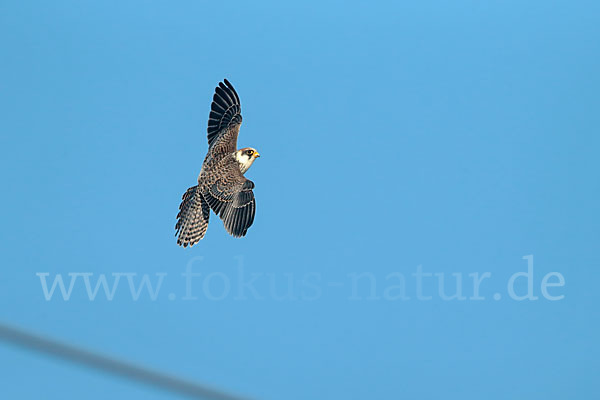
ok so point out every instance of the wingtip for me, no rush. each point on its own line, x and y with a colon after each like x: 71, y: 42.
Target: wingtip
x: 228, y: 84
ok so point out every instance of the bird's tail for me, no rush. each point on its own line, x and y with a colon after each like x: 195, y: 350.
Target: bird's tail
x: 192, y: 219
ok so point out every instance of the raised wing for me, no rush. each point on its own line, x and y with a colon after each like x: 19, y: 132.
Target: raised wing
x: 224, y: 119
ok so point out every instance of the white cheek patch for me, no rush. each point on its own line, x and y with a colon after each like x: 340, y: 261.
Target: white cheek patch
x: 245, y: 160
x: 240, y: 157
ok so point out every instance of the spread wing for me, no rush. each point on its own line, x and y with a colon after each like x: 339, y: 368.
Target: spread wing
x: 224, y: 119
x: 232, y: 199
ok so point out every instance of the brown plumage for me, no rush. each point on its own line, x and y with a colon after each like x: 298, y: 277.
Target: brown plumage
x: 222, y: 186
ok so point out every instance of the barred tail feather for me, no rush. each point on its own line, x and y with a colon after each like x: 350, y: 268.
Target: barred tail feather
x: 192, y: 219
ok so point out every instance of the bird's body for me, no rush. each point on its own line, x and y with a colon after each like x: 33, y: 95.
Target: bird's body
x: 222, y: 186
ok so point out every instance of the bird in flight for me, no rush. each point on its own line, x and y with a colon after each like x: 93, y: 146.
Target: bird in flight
x: 221, y: 186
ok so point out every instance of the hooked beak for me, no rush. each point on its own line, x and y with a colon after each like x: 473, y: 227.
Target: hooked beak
x: 256, y: 154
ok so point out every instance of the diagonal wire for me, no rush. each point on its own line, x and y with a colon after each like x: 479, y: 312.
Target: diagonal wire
x: 117, y: 367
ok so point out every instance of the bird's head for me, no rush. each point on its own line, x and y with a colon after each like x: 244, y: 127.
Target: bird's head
x: 246, y: 157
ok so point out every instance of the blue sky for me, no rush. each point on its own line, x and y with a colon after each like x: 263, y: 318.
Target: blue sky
x: 456, y: 136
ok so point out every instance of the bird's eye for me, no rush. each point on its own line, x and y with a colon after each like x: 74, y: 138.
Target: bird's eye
x: 249, y: 152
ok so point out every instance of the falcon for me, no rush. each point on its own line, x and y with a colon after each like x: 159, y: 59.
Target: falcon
x: 221, y: 186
